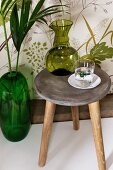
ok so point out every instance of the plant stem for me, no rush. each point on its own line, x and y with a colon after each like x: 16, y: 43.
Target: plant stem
x: 4, y: 43
x: 6, y: 40
x: 17, y: 61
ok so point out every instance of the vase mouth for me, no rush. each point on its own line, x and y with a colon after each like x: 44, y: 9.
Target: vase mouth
x: 61, y: 23
x: 12, y: 74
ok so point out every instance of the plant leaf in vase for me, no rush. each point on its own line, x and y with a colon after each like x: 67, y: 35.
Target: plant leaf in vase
x: 14, y: 92
x: 5, y: 7
x: 21, y: 25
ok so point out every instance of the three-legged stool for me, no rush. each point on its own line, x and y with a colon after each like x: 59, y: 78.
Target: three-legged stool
x: 56, y: 90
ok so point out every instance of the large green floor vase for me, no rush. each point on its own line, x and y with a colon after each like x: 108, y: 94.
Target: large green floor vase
x: 14, y: 106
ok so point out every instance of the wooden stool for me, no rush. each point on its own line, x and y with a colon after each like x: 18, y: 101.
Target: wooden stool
x: 56, y: 90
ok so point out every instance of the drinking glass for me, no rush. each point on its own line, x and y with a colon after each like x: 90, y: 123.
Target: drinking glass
x: 83, y: 72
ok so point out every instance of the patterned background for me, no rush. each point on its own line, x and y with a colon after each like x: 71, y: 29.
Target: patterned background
x: 39, y: 39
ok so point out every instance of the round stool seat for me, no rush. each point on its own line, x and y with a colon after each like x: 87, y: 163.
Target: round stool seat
x: 57, y: 89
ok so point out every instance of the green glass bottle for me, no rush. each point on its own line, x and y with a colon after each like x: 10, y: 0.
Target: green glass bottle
x: 61, y: 59
x: 14, y: 106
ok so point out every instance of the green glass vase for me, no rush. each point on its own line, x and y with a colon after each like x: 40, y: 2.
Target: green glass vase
x: 61, y: 59
x: 14, y: 106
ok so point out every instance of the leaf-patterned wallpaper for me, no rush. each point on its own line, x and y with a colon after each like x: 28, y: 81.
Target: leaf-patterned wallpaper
x: 39, y: 39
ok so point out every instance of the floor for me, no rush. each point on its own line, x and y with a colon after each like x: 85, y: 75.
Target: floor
x: 69, y: 149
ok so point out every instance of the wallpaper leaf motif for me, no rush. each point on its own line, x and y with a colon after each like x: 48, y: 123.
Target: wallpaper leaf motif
x: 78, y: 7
x: 36, y: 55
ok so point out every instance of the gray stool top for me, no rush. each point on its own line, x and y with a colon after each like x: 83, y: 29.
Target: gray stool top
x: 57, y: 89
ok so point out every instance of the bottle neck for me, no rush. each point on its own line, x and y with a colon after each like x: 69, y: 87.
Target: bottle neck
x: 61, y: 40
x: 61, y: 29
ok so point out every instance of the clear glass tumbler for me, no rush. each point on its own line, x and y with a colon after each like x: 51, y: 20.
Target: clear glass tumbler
x: 83, y: 72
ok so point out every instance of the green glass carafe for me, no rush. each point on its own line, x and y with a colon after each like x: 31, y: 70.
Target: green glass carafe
x: 61, y: 59
x: 14, y: 106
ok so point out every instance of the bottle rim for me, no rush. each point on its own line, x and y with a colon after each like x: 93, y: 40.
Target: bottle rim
x: 61, y: 23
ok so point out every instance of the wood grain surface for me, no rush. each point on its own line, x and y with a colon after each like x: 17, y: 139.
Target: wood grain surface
x: 46, y: 132
x: 94, y: 110
x: 57, y: 89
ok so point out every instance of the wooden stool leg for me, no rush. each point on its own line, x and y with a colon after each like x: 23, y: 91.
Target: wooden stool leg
x: 75, y: 117
x: 46, y: 132
x: 94, y: 110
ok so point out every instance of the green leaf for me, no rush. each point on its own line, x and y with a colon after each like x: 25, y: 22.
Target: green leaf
x: 38, y: 14
x: 88, y: 44
x: 42, y: 15
x: 34, y: 13
x: 24, y: 17
x: 44, y: 44
x: 1, y: 23
x: 101, y: 52
x: 90, y: 30
x: 86, y: 57
x: 104, y: 34
x: 112, y: 38
x: 6, y: 6
x: 20, y: 30
x: 2, y: 3
x: 25, y: 50
x: 37, y: 8
x: 14, y: 27
x: 110, y: 32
